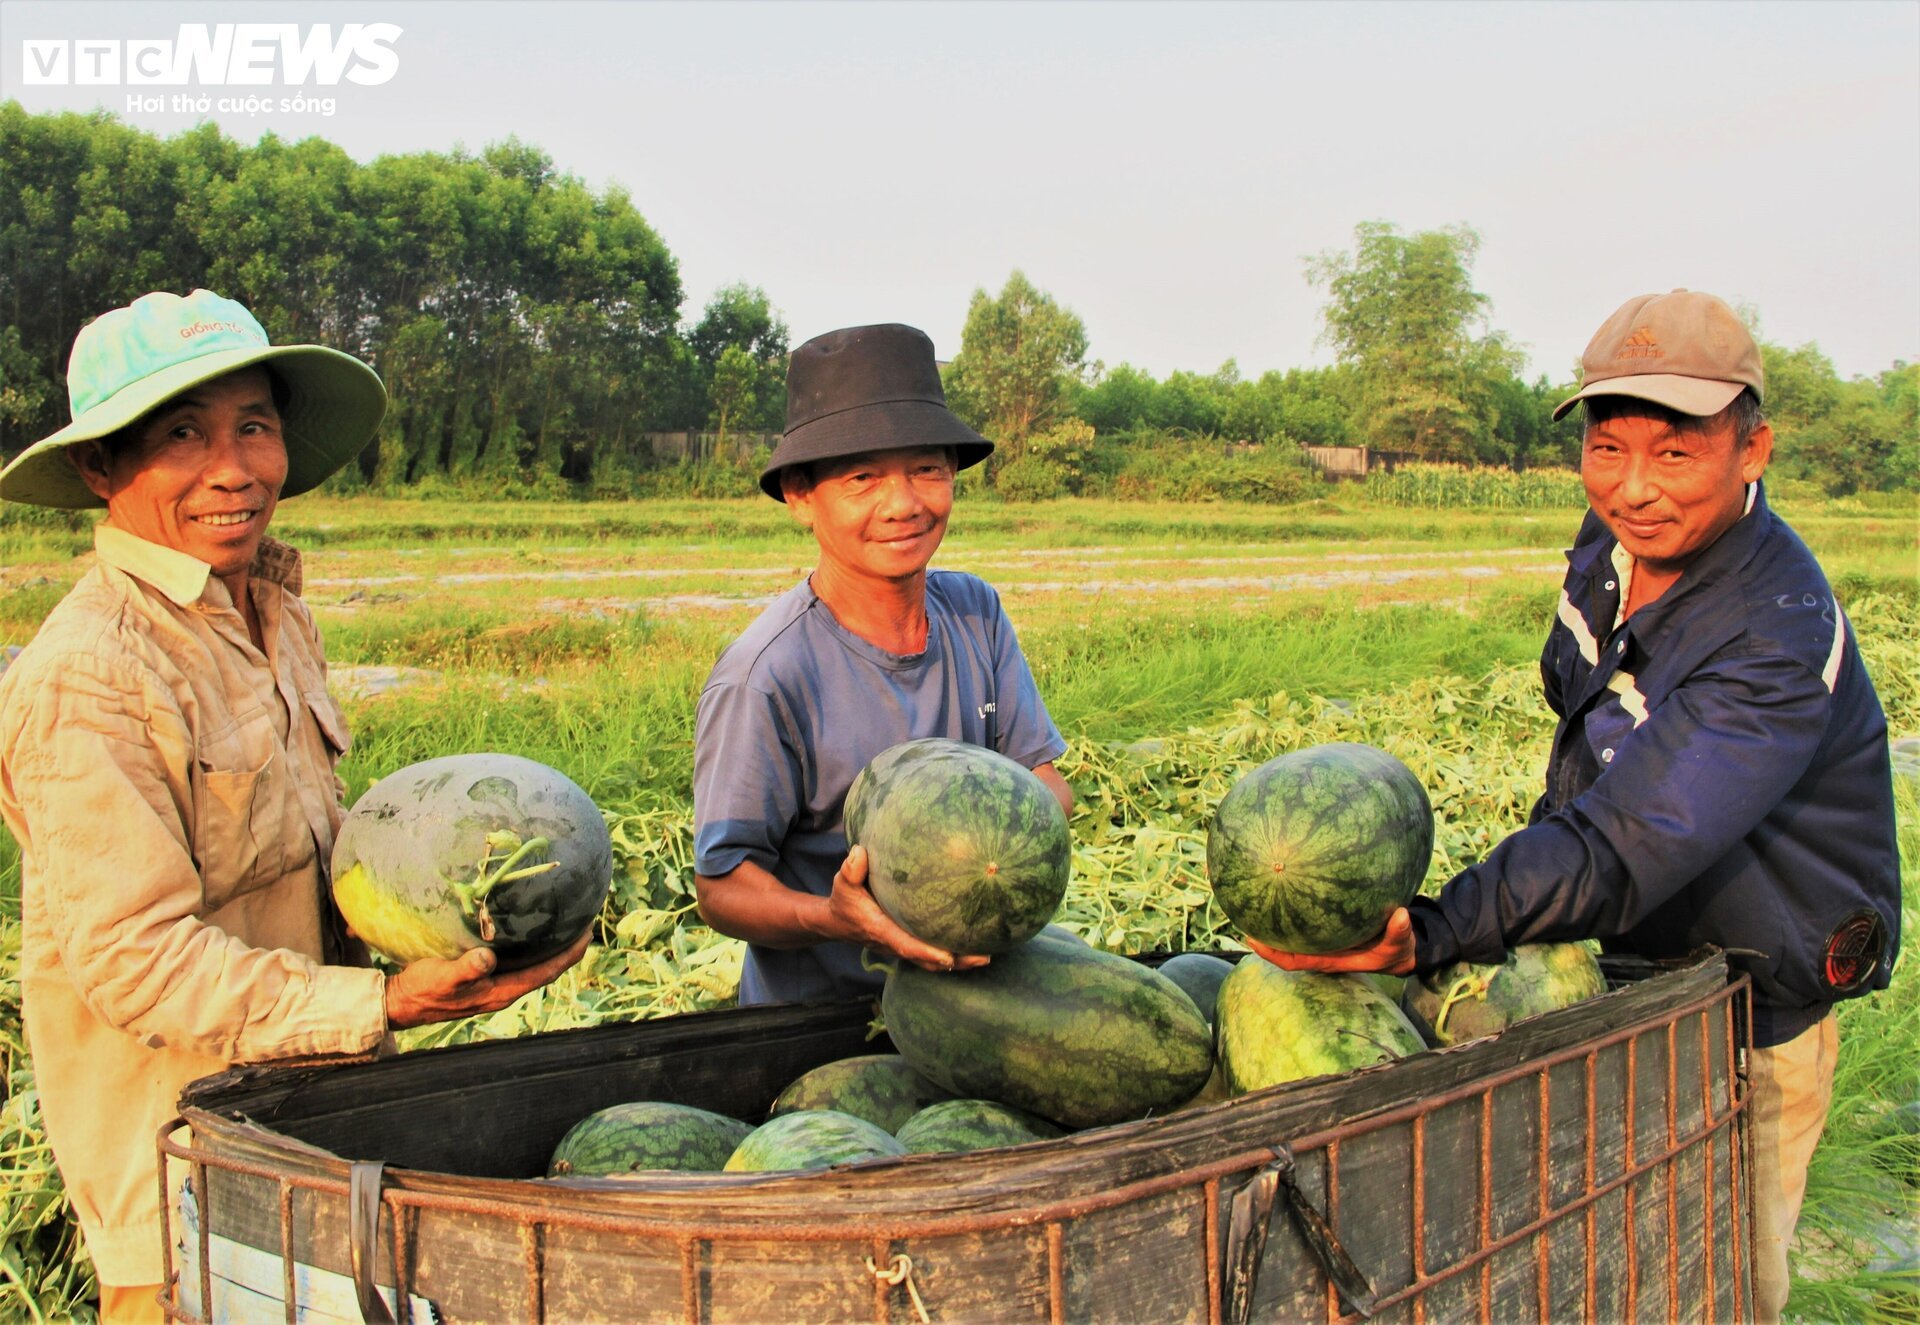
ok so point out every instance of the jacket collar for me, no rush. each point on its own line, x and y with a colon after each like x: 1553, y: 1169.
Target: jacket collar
x: 183, y: 579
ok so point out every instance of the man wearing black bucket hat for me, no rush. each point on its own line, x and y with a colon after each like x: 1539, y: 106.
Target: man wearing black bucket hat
x: 167, y: 747
x: 870, y: 650
x: 1720, y: 773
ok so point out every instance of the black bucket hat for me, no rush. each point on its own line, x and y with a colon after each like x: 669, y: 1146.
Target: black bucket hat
x: 864, y: 389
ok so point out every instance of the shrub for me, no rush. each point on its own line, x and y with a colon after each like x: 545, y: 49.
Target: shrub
x: 1031, y: 478
x: 1163, y: 467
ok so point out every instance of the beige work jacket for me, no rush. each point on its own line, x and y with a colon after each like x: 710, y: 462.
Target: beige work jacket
x: 173, y: 793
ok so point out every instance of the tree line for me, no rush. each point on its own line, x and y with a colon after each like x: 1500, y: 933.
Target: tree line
x: 531, y: 330
x: 526, y: 325
x: 1419, y: 373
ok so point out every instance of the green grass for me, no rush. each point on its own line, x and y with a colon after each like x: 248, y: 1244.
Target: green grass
x: 1224, y: 632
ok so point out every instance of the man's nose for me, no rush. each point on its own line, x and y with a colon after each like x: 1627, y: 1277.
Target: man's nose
x: 899, y: 498
x: 1638, y: 483
x: 227, y: 460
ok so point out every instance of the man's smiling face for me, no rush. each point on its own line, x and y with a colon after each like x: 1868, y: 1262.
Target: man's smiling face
x: 201, y: 474
x: 1667, y: 491
x: 880, y: 515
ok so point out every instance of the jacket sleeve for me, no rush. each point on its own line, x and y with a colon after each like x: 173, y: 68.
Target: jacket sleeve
x: 108, y: 819
x: 1698, y: 775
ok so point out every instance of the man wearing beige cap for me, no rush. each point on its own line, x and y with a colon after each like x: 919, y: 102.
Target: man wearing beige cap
x: 1720, y: 772
x: 167, y: 752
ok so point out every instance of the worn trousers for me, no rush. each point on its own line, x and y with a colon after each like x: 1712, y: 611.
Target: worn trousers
x: 1791, y: 1086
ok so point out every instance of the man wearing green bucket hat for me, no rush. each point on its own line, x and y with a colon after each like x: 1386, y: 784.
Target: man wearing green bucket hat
x: 167, y: 747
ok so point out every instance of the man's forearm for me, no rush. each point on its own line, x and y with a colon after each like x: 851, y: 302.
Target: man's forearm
x: 748, y: 903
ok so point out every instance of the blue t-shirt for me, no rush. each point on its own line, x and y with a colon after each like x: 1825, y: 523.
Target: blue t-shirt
x: 797, y: 706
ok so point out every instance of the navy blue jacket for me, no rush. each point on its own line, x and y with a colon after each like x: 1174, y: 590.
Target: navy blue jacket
x: 1719, y: 775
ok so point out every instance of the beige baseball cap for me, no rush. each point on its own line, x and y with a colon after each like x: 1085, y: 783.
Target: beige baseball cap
x: 1685, y: 350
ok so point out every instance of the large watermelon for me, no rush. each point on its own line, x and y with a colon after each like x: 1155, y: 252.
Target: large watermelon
x: 1465, y: 1000
x: 1277, y: 1026
x: 466, y: 850
x: 811, y: 1139
x: 1057, y: 1028
x: 1311, y: 852
x: 965, y: 849
x: 881, y: 1088
x: 955, y: 1125
x: 647, y: 1134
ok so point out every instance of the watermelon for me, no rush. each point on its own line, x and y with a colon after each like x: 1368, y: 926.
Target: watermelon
x: 811, y: 1139
x: 470, y: 850
x: 966, y: 850
x: 1079, y: 1036
x: 1277, y: 1026
x: 1200, y: 976
x: 629, y: 1138
x: 881, y: 1088
x: 1312, y: 851
x: 971, y: 1125
x: 1465, y: 1000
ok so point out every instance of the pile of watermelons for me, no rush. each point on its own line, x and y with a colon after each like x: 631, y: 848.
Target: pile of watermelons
x: 1309, y: 852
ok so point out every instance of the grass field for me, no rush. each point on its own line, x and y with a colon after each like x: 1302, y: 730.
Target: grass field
x: 1175, y: 644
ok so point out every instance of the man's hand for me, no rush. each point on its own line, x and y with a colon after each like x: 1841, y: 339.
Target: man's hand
x: 1392, y: 952
x: 432, y: 989
x: 854, y: 911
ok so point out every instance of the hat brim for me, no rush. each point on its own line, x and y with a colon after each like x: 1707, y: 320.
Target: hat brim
x: 1697, y: 396
x: 888, y: 425
x: 334, y: 405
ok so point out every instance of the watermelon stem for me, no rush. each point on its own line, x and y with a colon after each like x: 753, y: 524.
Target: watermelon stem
x: 1466, y: 987
x: 473, y: 896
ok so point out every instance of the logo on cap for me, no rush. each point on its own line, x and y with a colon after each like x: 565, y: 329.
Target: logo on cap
x: 1642, y: 345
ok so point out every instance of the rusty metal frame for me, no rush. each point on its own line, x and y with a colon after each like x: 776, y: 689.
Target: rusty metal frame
x: 881, y: 1234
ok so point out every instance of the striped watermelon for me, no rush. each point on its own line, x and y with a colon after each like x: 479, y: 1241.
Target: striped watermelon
x: 1312, y: 851
x: 965, y: 849
x: 811, y: 1139
x: 630, y: 1138
x: 1076, y: 1035
x: 881, y: 1088
x: 954, y: 1125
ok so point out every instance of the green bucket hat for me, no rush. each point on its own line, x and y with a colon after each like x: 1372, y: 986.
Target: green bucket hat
x: 127, y: 362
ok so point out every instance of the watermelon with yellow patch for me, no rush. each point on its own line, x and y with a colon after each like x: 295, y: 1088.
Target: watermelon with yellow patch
x: 1466, y: 1000
x: 469, y: 850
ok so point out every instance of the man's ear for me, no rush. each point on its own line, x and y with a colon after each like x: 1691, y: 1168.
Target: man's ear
x: 796, y: 488
x: 1759, y: 450
x: 90, y: 458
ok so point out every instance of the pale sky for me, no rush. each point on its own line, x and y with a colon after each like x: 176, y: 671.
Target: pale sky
x: 1163, y: 169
